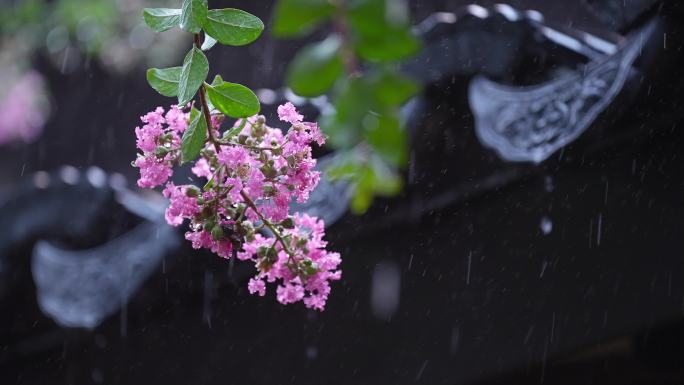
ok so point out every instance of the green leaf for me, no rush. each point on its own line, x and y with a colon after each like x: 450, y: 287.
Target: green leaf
x: 393, y: 45
x: 217, y: 80
x: 373, y: 178
x: 194, y: 71
x: 377, y: 17
x: 386, y: 180
x: 382, y: 30
x: 164, y: 81
x: 316, y: 68
x: 234, y: 100
x: 352, y: 104
x: 193, y: 15
x: 194, y: 136
x: 297, y: 17
x: 233, y: 26
x: 394, y: 89
x: 208, y: 42
x: 387, y: 137
x: 161, y: 19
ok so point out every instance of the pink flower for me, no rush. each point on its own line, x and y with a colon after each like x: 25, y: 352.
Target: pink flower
x: 257, y: 286
x: 153, y: 172
x: 235, y: 185
x: 233, y: 156
x: 177, y: 119
x: 154, y: 118
x: 147, y: 137
x: 289, y: 293
x: 316, y: 133
x: 255, y: 184
x: 199, y: 239
x: 222, y: 248
x: 202, y: 169
x: 288, y: 113
x: 181, y: 205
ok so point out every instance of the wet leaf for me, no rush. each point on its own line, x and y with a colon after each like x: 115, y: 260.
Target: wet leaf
x: 208, y: 42
x: 194, y: 71
x: 194, y: 136
x: 165, y: 81
x: 234, y: 100
x: 233, y: 26
x: 162, y: 19
x: 193, y: 15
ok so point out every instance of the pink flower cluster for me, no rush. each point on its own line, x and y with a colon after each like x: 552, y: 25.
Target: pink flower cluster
x: 159, y: 140
x: 305, y: 276
x: 252, y: 173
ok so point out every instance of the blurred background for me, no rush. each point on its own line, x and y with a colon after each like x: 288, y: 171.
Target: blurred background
x: 536, y: 237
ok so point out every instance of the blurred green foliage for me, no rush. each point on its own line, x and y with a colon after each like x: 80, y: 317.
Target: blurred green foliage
x: 68, y: 29
x: 357, y: 65
x: 91, y: 21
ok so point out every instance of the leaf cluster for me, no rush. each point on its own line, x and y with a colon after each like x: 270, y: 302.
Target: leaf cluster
x: 357, y: 64
x: 227, y: 26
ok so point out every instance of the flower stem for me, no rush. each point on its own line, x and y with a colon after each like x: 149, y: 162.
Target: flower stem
x: 251, y: 205
x: 205, y: 106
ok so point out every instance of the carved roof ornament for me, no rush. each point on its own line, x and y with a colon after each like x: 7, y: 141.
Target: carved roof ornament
x: 530, y: 123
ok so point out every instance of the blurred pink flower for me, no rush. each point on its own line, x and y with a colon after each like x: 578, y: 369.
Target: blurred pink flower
x: 24, y: 109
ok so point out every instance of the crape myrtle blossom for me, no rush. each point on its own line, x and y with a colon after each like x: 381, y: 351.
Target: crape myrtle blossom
x: 250, y: 174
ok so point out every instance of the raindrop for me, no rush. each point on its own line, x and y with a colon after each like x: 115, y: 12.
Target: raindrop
x: 470, y: 261
x: 455, y: 339
x: 548, y: 184
x: 422, y: 369
x: 311, y: 352
x: 385, y: 290
x: 206, y: 306
x: 546, y: 225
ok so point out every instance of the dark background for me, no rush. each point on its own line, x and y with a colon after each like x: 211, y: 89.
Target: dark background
x: 486, y: 296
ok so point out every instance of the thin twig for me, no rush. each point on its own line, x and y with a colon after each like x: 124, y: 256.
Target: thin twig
x: 205, y: 106
x: 250, y: 204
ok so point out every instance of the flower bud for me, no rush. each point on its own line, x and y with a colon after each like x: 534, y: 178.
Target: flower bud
x: 288, y: 223
x: 161, y: 151
x: 192, y: 191
x: 269, y: 190
x: 217, y: 232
